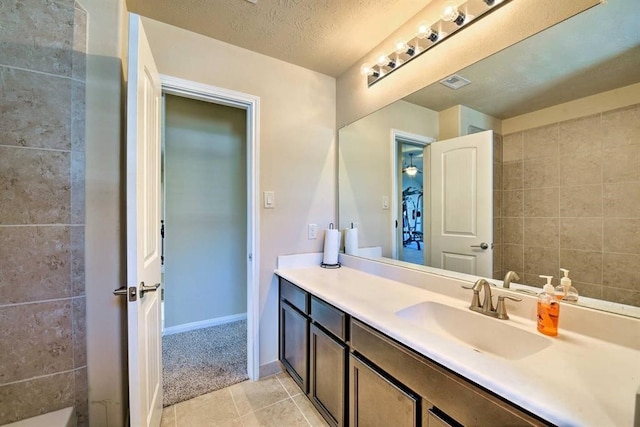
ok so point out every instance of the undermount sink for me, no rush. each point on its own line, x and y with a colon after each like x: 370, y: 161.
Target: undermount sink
x: 483, y: 333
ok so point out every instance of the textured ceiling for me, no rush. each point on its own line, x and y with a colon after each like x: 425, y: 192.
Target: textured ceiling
x: 595, y: 51
x: 327, y: 36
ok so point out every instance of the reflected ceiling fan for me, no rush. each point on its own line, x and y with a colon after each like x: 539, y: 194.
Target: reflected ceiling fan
x: 411, y: 170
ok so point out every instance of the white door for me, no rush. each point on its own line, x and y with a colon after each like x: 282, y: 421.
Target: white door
x: 462, y: 204
x: 143, y: 230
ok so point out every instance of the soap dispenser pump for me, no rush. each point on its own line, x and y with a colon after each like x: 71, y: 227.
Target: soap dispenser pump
x: 564, y: 291
x: 548, y: 309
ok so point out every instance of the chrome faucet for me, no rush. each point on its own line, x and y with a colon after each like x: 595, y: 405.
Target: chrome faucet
x: 511, y: 275
x: 500, y: 311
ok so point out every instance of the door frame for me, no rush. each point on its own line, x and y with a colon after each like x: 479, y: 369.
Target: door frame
x: 396, y: 170
x: 251, y: 104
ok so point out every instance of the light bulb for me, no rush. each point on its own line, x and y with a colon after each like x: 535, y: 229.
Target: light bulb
x: 366, y: 70
x: 383, y: 60
x: 426, y: 32
x: 423, y: 30
x: 400, y: 47
x: 450, y: 13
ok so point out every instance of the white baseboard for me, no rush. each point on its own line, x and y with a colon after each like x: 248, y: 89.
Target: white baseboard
x: 203, y: 324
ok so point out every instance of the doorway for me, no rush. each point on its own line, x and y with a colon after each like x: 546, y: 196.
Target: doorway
x: 412, y: 202
x: 410, y: 196
x: 210, y: 148
x: 205, y: 246
x: 204, y: 213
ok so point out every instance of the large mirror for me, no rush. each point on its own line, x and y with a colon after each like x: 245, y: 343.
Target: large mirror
x: 564, y: 110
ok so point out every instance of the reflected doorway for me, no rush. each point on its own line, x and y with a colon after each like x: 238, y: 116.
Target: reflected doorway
x: 412, y: 204
x: 411, y: 227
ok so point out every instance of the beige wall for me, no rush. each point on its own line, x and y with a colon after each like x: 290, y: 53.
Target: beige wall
x: 513, y: 22
x: 455, y: 121
x: 43, y: 359
x: 297, y: 145
x: 570, y: 197
x: 104, y: 246
x: 365, y: 168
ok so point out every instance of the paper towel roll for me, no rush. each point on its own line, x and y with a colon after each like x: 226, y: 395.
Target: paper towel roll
x: 331, y: 246
x: 351, y: 241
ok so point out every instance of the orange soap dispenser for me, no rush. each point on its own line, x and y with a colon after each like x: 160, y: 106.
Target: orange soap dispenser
x: 548, y: 309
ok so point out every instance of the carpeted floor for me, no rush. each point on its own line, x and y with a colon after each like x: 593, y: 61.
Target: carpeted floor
x: 198, y: 362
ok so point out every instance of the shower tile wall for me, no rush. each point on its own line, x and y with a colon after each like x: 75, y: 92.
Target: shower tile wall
x: 571, y: 199
x: 42, y: 299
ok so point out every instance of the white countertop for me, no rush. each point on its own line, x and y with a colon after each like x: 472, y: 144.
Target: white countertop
x: 578, y: 380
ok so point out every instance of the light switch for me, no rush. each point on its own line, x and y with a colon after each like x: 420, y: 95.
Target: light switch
x: 385, y: 202
x: 269, y: 200
x: 313, y: 231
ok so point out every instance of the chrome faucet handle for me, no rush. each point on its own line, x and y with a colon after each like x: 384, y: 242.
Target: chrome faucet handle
x: 501, y: 309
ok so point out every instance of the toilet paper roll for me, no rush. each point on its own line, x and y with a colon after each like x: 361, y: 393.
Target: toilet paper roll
x: 351, y: 241
x: 331, y: 246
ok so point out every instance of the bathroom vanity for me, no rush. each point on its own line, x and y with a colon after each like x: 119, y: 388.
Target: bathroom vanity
x: 373, y: 344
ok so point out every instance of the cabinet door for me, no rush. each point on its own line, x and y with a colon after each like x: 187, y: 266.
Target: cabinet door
x: 328, y: 359
x: 374, y: 401
x: 294, y: 344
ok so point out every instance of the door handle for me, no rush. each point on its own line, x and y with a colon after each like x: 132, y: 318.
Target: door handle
x: 483, y: 246
x: 144, y: 288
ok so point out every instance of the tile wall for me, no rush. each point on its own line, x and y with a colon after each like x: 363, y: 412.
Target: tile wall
x: 571, y: 198
x: 42, y: 298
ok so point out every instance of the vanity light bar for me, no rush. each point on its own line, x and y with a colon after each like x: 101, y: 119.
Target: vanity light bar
x: 455, y: 16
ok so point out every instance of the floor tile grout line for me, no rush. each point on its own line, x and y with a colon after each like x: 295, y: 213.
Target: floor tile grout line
x: 301, y: 412
x: 265, y: 407
x: 283, y: 386
x: 293, y: 400
x: 235, y: 405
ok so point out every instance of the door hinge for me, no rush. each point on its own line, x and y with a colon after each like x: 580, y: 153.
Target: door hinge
x: 162, y: 242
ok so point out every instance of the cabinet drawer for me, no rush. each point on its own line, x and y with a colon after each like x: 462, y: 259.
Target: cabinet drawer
x: 294, y: 295
x: 332, y: 319
x: 457, y: 397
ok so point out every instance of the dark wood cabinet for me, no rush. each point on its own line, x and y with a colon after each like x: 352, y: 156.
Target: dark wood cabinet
x: 294, y: 342
x: 294, y: 333
x: 313, y: 350
x: 327, y: 373
x: 376, y: 401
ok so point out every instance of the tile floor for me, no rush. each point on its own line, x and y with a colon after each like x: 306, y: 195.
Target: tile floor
x: 272, y: 401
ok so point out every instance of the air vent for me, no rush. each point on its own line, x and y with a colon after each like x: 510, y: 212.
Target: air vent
x: 455, y: 82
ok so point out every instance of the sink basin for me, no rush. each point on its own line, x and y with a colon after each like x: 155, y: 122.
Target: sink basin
x: 482, y: 333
